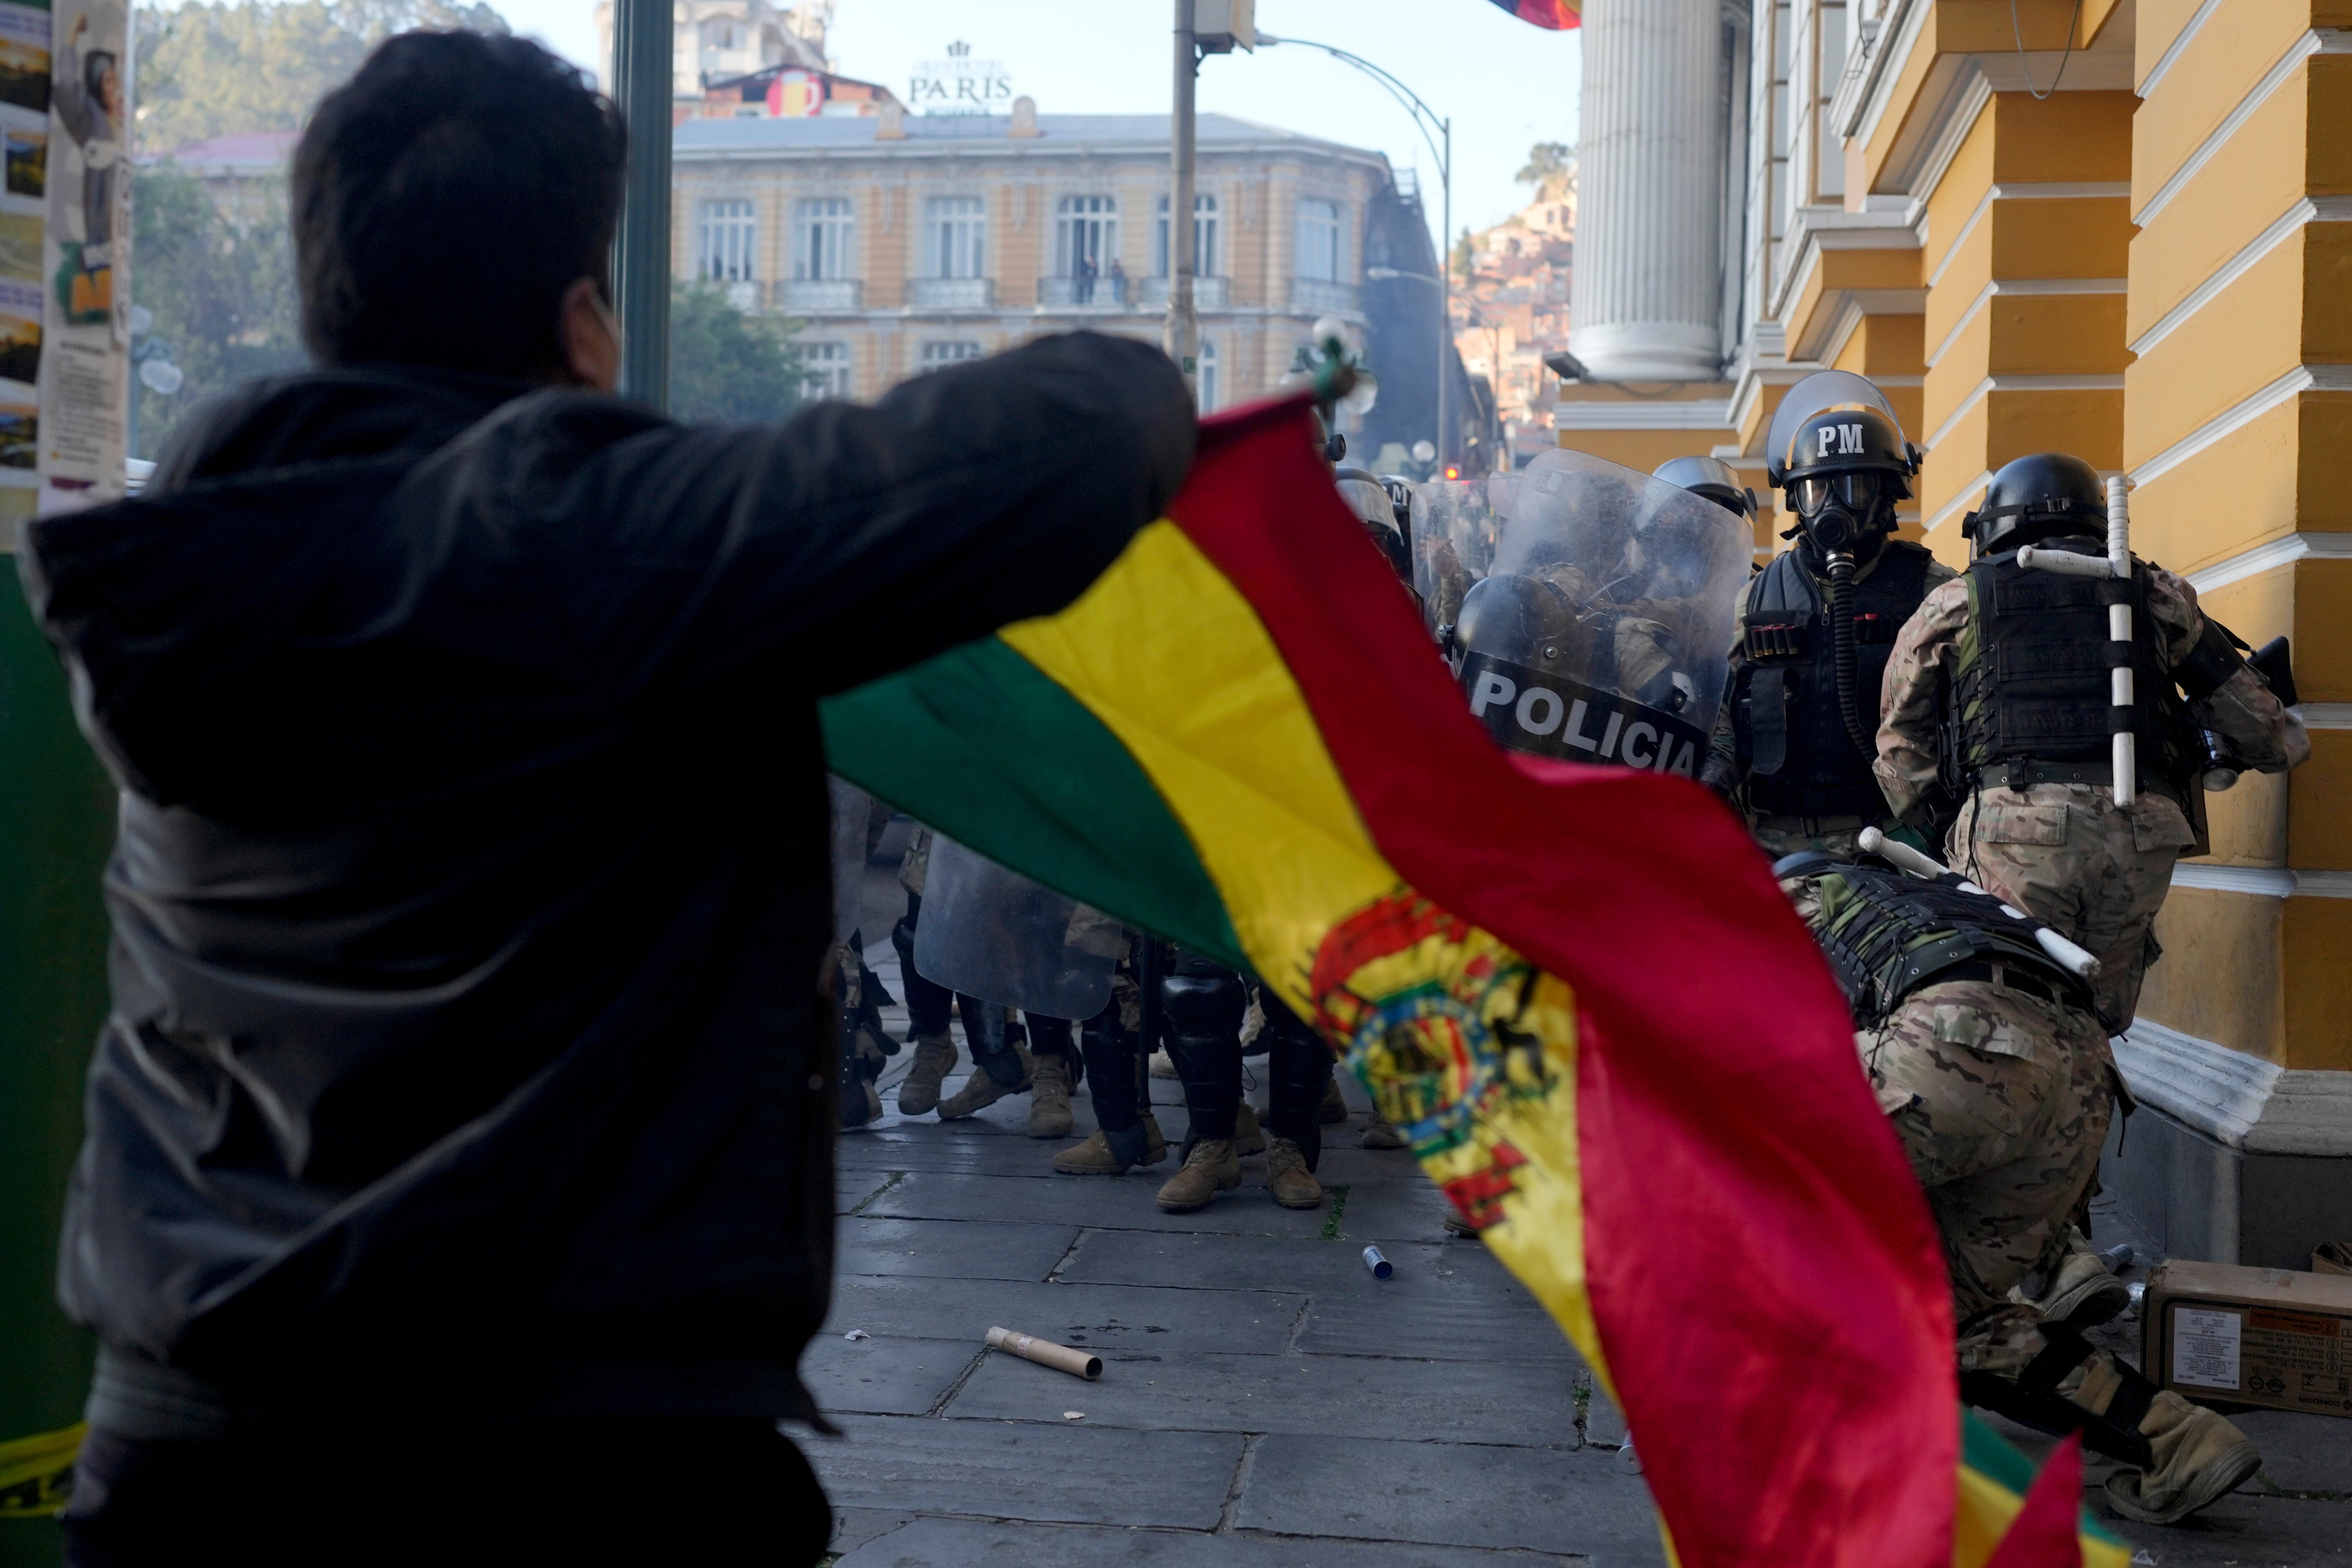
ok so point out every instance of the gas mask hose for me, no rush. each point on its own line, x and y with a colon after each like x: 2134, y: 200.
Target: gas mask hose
x: 1840, y: 564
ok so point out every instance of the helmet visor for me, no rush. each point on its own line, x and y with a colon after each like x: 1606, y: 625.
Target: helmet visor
x: 1859, y: 490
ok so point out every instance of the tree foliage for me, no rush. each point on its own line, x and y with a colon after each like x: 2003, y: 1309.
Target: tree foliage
x: 728, y: 366
x: 220, y: 292
x: 1551, y: 169
x: 209, y: 70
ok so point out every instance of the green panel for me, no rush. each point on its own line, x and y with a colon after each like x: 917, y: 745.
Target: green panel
x: 988, y: 749
x: 1990, y: 1453
x: 56, y: 824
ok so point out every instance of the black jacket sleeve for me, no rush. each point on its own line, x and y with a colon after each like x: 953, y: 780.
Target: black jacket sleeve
x: 849, y: 541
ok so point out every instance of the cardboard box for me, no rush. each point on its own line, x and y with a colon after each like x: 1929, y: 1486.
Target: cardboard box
x: 2272, y: 1337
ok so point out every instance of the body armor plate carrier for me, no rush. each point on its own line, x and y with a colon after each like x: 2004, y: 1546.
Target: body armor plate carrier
x: 1886, y: 935
x: 1795, y: 755
x: 2033, y: 690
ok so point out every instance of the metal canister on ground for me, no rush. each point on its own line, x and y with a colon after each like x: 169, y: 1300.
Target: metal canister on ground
x: 1045, y: 1353
x: 1380, y: 1267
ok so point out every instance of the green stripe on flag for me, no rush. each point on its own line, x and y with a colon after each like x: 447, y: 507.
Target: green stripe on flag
x: 989, y: 750
x: 1991, y: 1454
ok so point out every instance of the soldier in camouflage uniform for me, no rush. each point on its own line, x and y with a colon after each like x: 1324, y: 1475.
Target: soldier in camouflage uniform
x: 1997, y: 692
x: 1795, y: 738
x: 1995, y: 1074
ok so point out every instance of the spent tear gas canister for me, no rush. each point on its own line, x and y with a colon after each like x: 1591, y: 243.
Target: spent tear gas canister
x: 1600, y: 628
x: 993, y: 933
x: 1377, y: 1263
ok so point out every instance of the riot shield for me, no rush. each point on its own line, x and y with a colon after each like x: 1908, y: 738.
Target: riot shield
x: 1454, y: 523
x: 1600, y: 632
x: 852, y: 808
x: 1820, y: 390
x: 993, y: 933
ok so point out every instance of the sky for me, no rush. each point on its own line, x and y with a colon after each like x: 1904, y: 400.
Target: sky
x: 1504, y: 84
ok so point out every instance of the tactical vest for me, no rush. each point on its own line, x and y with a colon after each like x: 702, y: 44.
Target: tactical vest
x: 1794, y: 753
x: 2033, y: 694
x: 1886, y: 935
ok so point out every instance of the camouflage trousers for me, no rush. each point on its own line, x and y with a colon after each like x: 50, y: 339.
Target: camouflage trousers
x: 2066, y: 855
x: 2001, y: 1101
x: 1833, y: 836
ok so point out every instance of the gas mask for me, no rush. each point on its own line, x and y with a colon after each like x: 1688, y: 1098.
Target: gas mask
x: 1841, y: 513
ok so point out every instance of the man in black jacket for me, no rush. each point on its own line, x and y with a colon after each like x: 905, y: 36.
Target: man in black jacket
x: 462, y: 1129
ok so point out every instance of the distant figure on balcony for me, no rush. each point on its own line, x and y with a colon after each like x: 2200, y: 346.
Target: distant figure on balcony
x: 1118, y: 283
x: 1083, y: 292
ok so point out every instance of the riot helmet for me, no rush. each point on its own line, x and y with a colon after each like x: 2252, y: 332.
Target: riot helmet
x: 2047, y: 495
x: 1709, y: 477
x: 1838, y: 451
x: 1524, y: 618
x: 1371, y: 501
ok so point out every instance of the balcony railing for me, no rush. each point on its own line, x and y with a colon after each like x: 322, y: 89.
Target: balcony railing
x: 1083, y: 292
x: 1319, y: 294
x: 1208, y: 293
x: 811, y: 296
x: 951, y: 293
x: 742, y: 293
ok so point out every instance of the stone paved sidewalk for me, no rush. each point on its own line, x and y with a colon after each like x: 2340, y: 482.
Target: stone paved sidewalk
x: 1264, y: 1402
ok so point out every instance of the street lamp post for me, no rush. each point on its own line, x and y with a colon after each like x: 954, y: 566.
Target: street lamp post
x: 643, y: 43
x: 1442, y: 146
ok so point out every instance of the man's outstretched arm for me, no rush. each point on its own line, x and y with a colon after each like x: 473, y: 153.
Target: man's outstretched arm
x: 852, y: 540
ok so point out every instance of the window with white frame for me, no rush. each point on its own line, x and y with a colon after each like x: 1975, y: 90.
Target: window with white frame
x: 823, y: 235
x: 1318, y: 240
x: 1086, y: 235
x: 1204, y: 237
x: 955, y: 237
x: 828, y: 369
x: 722, y: 249
x: 1209, y: 384
x: 936, y: 356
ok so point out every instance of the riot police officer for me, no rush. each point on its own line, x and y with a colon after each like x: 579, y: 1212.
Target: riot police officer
x: 1206, y: 1004
x: 1999, y: 691
x: 1796, y: 738
x: 1712, y: 478
x: 1993, y: 1070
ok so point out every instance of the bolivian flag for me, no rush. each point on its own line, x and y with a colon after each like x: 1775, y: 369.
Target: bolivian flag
x: 1577, y: 989
x: 1555, y: 14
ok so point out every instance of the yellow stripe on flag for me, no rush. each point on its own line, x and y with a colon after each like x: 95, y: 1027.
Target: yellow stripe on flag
x: 1174, y: 662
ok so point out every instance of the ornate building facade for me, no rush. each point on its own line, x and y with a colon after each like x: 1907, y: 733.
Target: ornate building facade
x: 906, y: 242
x: 2116, y: 228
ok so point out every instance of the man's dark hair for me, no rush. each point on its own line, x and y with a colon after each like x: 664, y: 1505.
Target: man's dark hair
x: 446, y: 197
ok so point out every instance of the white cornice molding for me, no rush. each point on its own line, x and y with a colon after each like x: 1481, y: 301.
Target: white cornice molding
x: 2239, y: 1101
x: 2268, y: 556
x: 1963, y: 500
x: 2326, y: 715
x: 2037, y: 191
x: 2303, y: 378
x: 2179, y: 45
x: 2318, y: 41
x: 1898, y: 34
x: 2306, y: 209
x: 1666, y: 414
x: 2262, y: 881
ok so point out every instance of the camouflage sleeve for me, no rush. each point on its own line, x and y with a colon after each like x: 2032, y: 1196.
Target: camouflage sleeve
x: 1911, y: 700
x: 916, y: 867
x: 2242, y: 710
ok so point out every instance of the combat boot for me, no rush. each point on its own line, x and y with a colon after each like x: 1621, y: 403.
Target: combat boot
x: 2082, y: 1293
x: 1049, y: 1101
x: 1334, y: 1105
x: 982, y: 1089
x: 1248, y: 1137
x: 2199, y: 1460
x: 1212, y: 1168
x: 1293, y: 1185
x: 918, y: 1091
x: 1379, y: 1133
x: 1094, y: 1157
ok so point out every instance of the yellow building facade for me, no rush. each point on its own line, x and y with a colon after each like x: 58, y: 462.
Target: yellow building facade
x: 2121, y: 229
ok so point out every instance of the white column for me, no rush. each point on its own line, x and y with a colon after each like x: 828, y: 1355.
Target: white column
x: 1648, y: 295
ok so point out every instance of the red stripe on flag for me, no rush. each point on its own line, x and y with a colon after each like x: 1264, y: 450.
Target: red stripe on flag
x: 1769, y: 1285
x: 2044, y: 1533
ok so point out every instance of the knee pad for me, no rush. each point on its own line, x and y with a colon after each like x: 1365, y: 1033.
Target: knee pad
x: 1204, y: 1004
